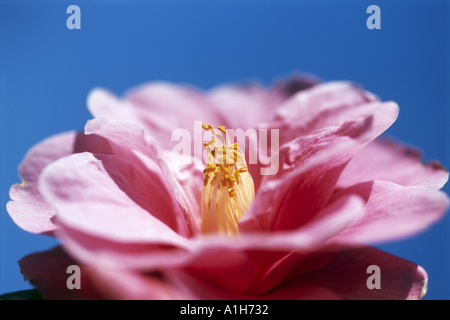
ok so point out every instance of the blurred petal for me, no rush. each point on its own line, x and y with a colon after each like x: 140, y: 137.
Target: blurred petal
x: 159, y: 107
x: 392, y: 211
x: 296, y: 83
x: 383, y: 159
x: 47, y: 271
x: 116, y: 284
x: 28, y: 208
x: 181, y: 285
x: 246, y: 106
x: 347, y: 276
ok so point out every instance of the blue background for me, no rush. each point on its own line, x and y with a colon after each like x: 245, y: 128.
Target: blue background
x: 47, y: 71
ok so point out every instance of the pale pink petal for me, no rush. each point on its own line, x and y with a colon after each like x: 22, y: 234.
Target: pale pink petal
x: 183, y: 104
x: 246, y: 106
x: 189, y: 177
x: 47, y: 271
x: 347, y: 276
x: 108, y: 197
x: 159, y: 107
x: 27, y: 208
x: 105, y: 104
x: 129, y: 141
x: 383, y: 159
x: 392, y: 211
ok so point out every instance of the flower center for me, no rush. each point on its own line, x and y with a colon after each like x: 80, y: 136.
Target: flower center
x: 227, y: 186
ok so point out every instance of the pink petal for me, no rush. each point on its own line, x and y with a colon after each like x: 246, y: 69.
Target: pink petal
x: 121, y: 284
x: 229, y: 269
x: 47, y: 271
x: 309, y: 169
x: 329, y: 222
x: 116, y: 284
x: 92, y: 249
x: 242, y: 270
x: 392, y: 211
x: 28, y: 208
x: 255, y: 263
x: 235, y: 265
x: 173, y: 284
x: 252, y: 106
x: 347, y: 276
x: 301, y: 263
x: 383, y: 159
x: 302, y: 293
x: 194, y: 288
x: 108, y: 197
x: 323, y: 105
x: 248, y: 270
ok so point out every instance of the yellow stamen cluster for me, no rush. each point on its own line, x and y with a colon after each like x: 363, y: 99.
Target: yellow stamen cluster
x: 226, y: 183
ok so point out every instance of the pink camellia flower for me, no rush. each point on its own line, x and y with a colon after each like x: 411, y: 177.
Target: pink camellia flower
x: 141, y: 226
